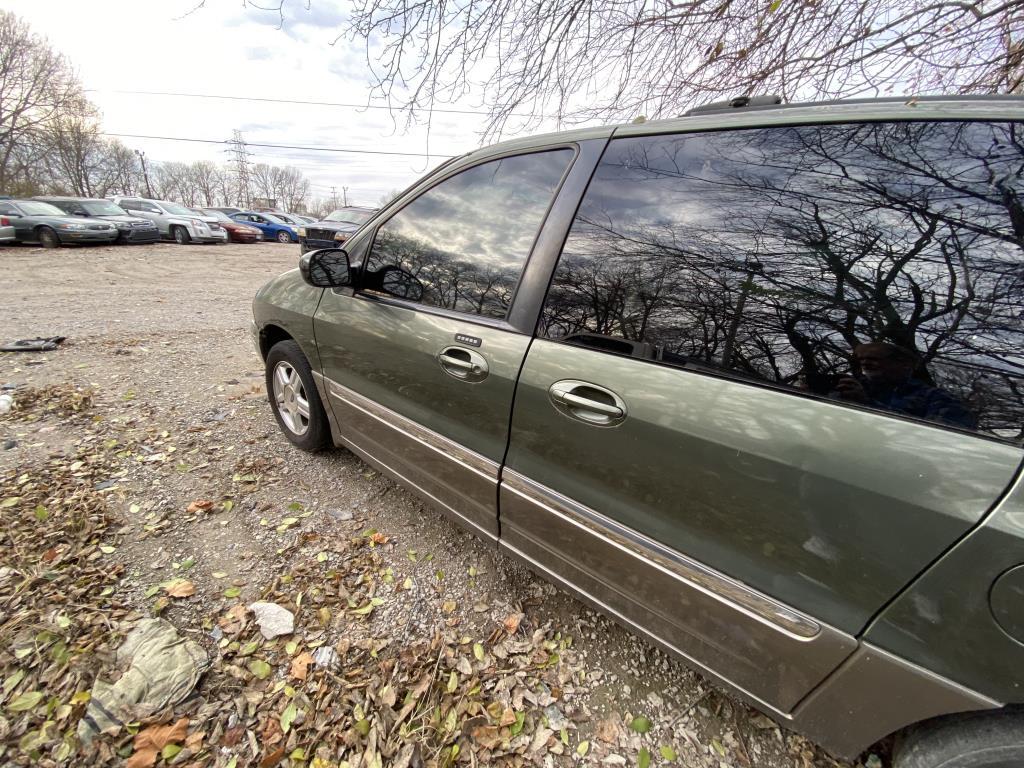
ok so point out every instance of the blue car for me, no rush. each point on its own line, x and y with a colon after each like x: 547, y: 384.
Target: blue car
x: 272, y: 227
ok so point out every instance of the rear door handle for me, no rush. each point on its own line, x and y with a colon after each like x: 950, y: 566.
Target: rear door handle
x: 463, y: 364
x: 587, y: 402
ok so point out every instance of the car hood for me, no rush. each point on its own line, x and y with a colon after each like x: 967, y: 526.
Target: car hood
x: 70, y: 219
x: 333, y: 226
x: 122, y: 217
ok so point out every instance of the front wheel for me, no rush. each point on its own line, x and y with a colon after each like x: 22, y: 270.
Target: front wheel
x: 283, y: 237
x: 294, y: 397
x: 181, y: 236
x: 48, y: 238
x: 973, y: 740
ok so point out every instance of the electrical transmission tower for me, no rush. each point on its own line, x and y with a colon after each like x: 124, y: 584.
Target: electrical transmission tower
x: 240, y: 159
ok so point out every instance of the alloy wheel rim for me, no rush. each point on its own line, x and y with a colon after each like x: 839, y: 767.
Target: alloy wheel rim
x: 291, y: 399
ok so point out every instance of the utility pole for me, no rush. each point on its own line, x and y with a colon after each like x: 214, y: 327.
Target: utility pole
x: 344, y: 192
x: 334, y: 197
x: 145, y: 174
x: 240, y: 159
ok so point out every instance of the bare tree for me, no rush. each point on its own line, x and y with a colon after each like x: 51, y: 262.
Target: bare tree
x: 36, y: 84
x: 205, y: 179
x: 616, y: 59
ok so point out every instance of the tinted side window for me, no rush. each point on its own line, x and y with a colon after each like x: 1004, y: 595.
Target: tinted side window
x: 462, y: 244
x: 130, y: 205
x: 8, y: 208
x: 871, y: 264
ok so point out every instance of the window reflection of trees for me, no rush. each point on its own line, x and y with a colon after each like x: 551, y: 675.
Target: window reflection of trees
x: 773, y: 253
x: 467, y: 239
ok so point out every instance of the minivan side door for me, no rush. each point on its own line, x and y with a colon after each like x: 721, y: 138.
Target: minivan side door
x: 777, y: 374
x: 419, y: 364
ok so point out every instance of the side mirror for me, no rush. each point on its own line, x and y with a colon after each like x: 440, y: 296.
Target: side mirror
x: 79, y: 213
x: 327, y: 268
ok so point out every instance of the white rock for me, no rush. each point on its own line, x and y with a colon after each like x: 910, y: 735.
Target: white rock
x: 325, y: 656
x: 274, y: 620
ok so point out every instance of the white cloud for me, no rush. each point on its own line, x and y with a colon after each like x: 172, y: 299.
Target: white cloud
x: 224, y: 48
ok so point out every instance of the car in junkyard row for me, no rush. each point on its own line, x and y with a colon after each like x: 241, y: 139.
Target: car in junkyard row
x: 38, y: 222
x: 131, y: 229
x: 272, y: 227
x: 175, y: 221
x: 334, y: 229
x: 237, y: 231
x: 748, y: 380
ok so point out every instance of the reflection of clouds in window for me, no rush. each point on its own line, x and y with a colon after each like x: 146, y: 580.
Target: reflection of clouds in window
x: 467, y: 238
x: 772, y: 253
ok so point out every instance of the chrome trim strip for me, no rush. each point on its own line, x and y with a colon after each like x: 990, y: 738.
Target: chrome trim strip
x: 471, y: 460
x: 698, y: 575
x: 639, y: 629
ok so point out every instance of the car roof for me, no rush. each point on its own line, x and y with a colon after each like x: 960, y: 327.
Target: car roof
x: 722, y: 115
x: 68, y: 198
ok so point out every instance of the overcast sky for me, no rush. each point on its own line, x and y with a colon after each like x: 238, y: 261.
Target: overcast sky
x: 225, y: 48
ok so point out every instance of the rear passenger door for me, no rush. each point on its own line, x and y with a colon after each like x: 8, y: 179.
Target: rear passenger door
x: 419, y: 365
x: 777, y: 373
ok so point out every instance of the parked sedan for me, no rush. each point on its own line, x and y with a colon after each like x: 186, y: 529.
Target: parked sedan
x: 237, y: 231
x: 131, y: 229
x: 272, y: 227
x: 38, y: 222
x: 335, y: 228
x: 778, y: 435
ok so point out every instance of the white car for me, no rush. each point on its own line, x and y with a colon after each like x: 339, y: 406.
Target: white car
x: 176, y: 222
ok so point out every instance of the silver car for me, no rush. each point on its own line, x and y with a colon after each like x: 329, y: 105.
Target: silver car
x: 175, y: 221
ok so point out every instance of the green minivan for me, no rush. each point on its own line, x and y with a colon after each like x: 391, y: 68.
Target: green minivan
x: 749, y: 381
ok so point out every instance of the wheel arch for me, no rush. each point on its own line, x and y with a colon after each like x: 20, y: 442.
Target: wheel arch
x: 270, y: 335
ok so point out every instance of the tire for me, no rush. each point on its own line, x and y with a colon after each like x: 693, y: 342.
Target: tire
x: 181, y: 235
x: 48, y: 238
x: 310, y: 432
x: 974, y: 740
x: 283, y: 237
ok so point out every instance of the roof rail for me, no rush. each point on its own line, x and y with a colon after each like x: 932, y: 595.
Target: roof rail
x: 737, y: 103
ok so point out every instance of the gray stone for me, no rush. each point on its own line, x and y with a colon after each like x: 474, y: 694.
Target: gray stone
x: 274, y: 620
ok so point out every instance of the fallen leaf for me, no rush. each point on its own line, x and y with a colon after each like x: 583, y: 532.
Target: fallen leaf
x: 180, y: 588
x: 259, y: 668
x: 272, y: 758
x: 300, y: 667
x: 25, y: 701
x: 153, y: 740
x: 640, y: 724
x: 199, y: 505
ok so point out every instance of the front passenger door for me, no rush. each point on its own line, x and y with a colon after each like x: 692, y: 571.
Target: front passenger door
x: 419, y: 366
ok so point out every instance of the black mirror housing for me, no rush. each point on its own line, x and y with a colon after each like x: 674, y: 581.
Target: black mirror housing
x: 326, y: 268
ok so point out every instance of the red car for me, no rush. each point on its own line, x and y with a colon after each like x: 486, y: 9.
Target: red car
x: 237, y: 232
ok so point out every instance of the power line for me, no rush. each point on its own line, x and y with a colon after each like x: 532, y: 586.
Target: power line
x: 290, y: 101
x: 276, y: 146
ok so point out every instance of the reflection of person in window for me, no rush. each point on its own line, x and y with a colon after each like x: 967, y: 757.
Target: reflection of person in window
x: 887, y: 382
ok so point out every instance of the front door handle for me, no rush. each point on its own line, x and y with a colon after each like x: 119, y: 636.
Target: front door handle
x: 587, y: 402
x: 463, y: 364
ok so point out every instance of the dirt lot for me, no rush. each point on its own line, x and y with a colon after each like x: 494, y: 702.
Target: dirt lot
x: 143, y: 474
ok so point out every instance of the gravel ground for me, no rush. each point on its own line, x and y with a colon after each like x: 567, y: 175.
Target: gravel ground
x: 207, y: 490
